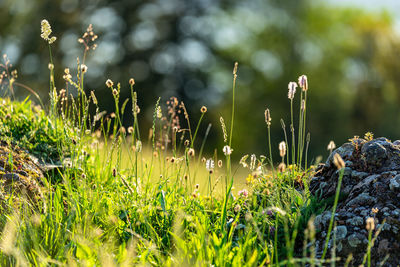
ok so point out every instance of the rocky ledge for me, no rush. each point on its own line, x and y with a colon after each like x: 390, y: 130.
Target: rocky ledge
x: 370, y: 189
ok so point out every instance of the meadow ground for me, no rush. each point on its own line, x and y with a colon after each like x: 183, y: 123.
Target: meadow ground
x: 116, y: 198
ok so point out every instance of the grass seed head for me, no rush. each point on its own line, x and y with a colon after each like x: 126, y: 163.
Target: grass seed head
x: 303, y: 82
x: 191, y: 152
x: 267, y: 117
x: 109, y: 83
x: 292, y: 90
x: 370, y: 224
x: 338, y: 161
x: 282, y: 149
x: 331, y: 146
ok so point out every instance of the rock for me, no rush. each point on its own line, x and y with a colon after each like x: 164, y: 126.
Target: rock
x: 22, y: 178
x: 340, y: 232
x: 370, y: 188
x: 395, y: 183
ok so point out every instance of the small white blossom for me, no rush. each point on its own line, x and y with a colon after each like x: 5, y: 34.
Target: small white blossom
x: 227, y: 150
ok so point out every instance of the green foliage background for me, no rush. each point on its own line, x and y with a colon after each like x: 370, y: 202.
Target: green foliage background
x: 187, y: 49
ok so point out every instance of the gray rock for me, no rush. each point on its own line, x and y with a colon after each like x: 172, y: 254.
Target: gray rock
x: 374, y: 152
x: 340, y: 232
x: 356, y: 221
x: 362, y: 200
x: 394, y: 184
x: 358, y: 175
x: 371, y: 181
x: 354, y: 240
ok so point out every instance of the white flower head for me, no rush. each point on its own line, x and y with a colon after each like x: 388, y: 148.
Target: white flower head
x: 227, y: 150
x: 46, y: 31
x: 331, y: 146
x: 210, y: 165
x: 303, y: 82
x: 282, y: 149
x: 253, y: 159
x: 292, y: 89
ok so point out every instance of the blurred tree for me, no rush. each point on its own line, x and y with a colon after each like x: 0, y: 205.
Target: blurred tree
x: 187, y: 49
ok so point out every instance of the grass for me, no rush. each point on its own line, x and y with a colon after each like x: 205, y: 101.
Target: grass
x: 123, y: 199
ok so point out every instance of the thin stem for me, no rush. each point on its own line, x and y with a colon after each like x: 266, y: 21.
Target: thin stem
x: 333, y: 213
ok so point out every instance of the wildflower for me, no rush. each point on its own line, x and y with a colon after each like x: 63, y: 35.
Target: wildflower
x: 115, y: 92
x: 186, y: 143
x: 227, y: 150
x: 130, y: 129
x: 203, y: 109
x: 112, y: 115
x: 197, y: 186
x: 220, y: 163
x: 203, y: 159
x: 375, y: 210
x: 83, y: 176
x: 243, y: 193
x: 282, y: 149
x: 210, y: 165
x: 172, y: 159
x: 267, y: 117
x: 292, y: 90
x: 122, y: 130
x: 46, y: 31
x: 131, y: 81
x: 51, y: 66
x: 84, y: 68
x: 331, y: 146
x: 191, y: 152
x: 370, y: 224
x: 237, y: 208
x: 109, y: 83
x: 243, y: 161
x: 338, y: 161
x: 253, y: 159
x: 281, y: 167
x: 303, y: 82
